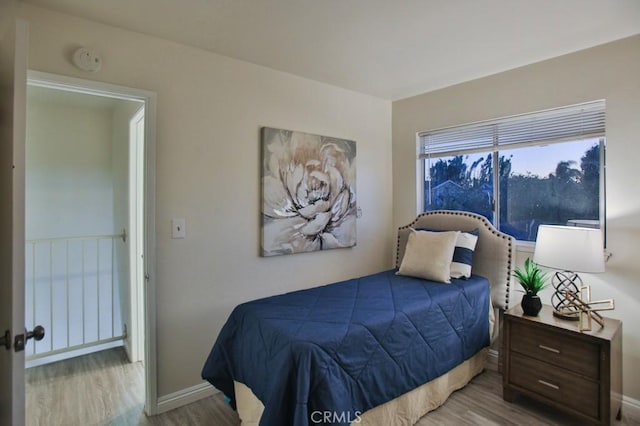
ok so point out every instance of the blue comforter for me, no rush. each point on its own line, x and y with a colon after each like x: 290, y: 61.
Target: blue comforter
x: 347, y: 347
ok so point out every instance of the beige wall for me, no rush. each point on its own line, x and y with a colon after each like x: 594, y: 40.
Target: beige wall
x: 610, y: 72
x: 210, y: 110
x: 7, y: 14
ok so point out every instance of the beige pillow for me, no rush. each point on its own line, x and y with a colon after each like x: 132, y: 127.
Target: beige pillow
x: 428, y: 255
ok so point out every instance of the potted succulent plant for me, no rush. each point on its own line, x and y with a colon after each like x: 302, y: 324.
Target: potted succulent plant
x: 532, y: 280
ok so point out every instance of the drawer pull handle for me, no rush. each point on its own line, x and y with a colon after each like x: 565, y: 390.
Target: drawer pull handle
x: 547, y: 348
x: 551, y: 385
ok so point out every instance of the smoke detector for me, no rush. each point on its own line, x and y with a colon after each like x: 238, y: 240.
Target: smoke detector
x: 87, y: 59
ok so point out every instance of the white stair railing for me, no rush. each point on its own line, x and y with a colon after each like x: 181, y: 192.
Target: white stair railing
x: 73, y: 287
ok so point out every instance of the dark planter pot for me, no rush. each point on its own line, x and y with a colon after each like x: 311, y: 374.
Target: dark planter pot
x: 531, y: 305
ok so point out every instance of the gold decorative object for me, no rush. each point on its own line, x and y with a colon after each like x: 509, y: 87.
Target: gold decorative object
x: 586, y: 308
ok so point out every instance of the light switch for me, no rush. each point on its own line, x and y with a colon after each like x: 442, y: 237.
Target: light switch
x: 178, y: 228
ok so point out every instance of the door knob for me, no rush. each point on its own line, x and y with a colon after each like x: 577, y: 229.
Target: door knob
x: 37, y: 333
x: 20, y: 339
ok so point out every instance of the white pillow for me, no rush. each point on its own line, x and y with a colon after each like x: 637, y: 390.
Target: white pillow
x: 463, y: 254
x: 428, y: 255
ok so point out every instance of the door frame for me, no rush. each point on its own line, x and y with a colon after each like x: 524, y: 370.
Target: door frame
x: 38, y: 78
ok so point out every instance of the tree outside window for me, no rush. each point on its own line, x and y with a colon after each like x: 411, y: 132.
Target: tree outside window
x: 558, y: 183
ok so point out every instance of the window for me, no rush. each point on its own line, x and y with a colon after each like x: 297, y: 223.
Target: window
x: 520, y: 172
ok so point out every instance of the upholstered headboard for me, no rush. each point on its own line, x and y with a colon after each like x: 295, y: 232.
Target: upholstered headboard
x: 492, y: 258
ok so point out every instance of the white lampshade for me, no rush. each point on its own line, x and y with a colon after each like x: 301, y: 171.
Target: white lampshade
x: 570, y: 248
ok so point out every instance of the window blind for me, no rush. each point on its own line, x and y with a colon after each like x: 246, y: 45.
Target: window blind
x: 572, y: 122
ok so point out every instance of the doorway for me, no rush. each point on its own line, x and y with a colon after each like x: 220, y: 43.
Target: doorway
x: 89, y: 221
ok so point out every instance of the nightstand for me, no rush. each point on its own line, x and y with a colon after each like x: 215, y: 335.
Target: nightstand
x: 550, y: 360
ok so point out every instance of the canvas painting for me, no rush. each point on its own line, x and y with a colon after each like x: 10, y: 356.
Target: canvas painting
x: 308, y: 192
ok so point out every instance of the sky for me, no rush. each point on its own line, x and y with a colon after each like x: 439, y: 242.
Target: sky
x: 542, y: 160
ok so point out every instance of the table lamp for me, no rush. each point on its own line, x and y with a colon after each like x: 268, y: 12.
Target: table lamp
x: 571, y: 249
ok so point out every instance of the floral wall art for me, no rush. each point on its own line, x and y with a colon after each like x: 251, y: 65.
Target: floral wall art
x: 308, y: 192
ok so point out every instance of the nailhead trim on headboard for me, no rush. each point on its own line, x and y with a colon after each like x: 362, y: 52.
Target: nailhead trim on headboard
x: 488, y: 225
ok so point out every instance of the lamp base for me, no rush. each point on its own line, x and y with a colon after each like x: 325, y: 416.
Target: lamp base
x: 565, y: 283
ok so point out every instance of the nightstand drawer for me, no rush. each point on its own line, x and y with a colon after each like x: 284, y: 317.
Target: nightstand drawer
x: 556, y: 384
x: 563, y: 351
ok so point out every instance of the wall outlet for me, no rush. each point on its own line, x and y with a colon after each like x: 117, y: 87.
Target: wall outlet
x: 178, y: 228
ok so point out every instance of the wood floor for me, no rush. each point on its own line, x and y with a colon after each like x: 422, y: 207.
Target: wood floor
x: 104, y: 389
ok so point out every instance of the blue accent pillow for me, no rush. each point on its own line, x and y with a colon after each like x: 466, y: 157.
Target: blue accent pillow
x: 463, y: 252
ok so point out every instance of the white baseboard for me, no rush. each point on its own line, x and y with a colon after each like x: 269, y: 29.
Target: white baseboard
x: 127, y: 350
x: 185, y: 396
x: 630, y: 405
x: 492, y: 360
x: 493, y: 355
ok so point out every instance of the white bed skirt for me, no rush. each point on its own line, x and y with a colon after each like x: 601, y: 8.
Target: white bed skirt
x: 407, y: 409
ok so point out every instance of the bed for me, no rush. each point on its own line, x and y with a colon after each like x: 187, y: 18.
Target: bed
x: 375, y: 350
